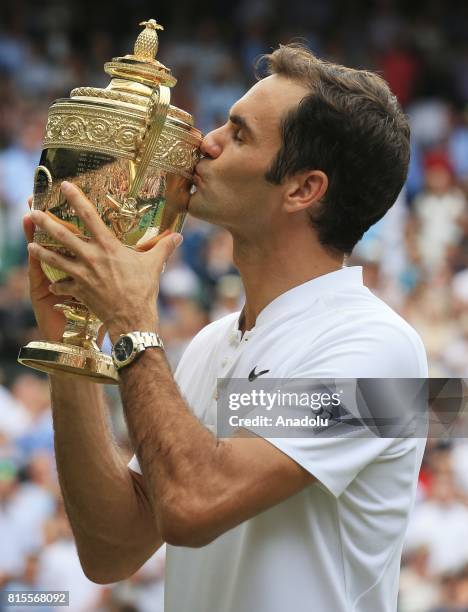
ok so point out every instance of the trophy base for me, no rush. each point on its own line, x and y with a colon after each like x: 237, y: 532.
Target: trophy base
x: 55, y: 357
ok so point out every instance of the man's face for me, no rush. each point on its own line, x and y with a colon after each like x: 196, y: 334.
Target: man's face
x: 231, y: 187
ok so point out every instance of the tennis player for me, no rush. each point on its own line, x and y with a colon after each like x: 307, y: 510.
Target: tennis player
x: 309, y: 158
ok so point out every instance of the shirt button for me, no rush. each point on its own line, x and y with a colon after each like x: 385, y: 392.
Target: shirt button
x: 224, y: 363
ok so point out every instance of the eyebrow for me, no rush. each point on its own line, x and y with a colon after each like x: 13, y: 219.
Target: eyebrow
x: 242, y: 124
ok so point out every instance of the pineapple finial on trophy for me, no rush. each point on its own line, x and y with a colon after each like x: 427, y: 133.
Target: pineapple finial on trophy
x: 141, y: 66
x: 146, y: 45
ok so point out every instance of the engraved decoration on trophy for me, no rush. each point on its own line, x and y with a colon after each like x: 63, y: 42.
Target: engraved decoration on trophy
x: 133, y: 155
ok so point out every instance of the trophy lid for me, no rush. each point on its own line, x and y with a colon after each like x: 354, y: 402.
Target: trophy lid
x: 134, y: 76
x: 142, y: 66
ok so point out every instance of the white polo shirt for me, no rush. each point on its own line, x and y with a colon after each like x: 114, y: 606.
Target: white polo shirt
x: 336, y: 545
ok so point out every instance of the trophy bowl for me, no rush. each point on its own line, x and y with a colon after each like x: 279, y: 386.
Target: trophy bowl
x: 133, y: 155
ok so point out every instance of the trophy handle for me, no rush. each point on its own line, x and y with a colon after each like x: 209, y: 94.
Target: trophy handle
x: 155, y: 122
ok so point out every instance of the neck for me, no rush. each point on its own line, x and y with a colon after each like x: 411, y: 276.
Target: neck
x: 271, y: 267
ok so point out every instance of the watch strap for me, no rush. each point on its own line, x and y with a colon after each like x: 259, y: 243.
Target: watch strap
x: 147, y: 339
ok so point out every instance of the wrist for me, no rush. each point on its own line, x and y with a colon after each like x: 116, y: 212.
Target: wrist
x: 117, y: 328
x: 151, y: 358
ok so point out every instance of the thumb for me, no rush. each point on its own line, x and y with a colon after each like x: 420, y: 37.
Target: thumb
x: 149, y: 244
x: 34, y: 264
x: 165, y: 247
x: 28, y: 228
x: 28, y: 225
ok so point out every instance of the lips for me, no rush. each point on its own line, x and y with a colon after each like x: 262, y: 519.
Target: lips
x: 199, y: 167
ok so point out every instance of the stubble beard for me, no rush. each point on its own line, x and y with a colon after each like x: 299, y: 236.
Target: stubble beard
x: 201, y: 208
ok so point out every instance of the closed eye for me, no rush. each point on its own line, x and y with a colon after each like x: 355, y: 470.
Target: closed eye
x: 236, y: 135
x: 241, y: 131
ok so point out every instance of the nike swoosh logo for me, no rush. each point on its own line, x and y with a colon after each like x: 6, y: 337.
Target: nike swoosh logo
x: 253, y: 375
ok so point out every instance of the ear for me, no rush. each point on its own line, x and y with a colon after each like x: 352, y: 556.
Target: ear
x: 304, y: 189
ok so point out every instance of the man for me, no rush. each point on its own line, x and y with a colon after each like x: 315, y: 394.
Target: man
x: 309, y: 158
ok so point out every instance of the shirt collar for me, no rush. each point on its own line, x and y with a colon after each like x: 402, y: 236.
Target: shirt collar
x: 308, y: 292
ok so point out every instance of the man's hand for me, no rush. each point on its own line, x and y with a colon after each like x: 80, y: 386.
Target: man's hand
x: 50, y: 322
x: 109, y: 511
x: 118, y: 284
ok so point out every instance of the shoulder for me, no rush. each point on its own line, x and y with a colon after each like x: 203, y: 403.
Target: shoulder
x: 364, y: 337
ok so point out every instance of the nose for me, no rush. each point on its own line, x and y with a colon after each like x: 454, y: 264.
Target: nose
x: 211, y: 144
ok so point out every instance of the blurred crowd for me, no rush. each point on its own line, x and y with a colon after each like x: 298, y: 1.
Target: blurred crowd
x: 416, y: 258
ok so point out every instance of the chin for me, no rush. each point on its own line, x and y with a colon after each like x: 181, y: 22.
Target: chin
x: 208, y: 209
x: 193, y: 205
x: 198, y: 207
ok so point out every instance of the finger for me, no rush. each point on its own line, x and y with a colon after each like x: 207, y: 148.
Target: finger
x: 54, y: 259
x: 67, y: 286
x: 149, y: 244
x: 87, y: 212
x: 63, y: 232
x: 35, y: 270
x: 30, y: 202
x: 164, y: 249
x: 28, y: 228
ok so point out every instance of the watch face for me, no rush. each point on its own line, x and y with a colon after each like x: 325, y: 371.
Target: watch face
x: 123, y: 348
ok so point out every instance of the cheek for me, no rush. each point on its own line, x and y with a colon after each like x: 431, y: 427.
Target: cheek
x: 244, y: 176
x: 236, y: 182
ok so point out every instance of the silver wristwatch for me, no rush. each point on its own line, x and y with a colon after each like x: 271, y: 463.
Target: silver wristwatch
x: 128, y: 346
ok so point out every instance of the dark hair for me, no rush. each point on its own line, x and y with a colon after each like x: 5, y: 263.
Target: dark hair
x: 352, y: 128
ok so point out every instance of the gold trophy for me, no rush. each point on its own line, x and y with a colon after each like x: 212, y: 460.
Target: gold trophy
x: 133, y: 155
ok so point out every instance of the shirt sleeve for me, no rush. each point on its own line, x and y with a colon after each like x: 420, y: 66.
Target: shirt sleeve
x: 333, y: 444
x: 336, y: 455
x: 334, y: 462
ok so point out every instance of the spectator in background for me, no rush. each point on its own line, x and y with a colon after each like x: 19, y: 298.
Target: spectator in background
x: 216, y: 260
x: 145, y: 589
x: 400, y: 68
x: 14, y: 420
x: 458, y: 146
x: 438, y: 209
x: 440, y: 523
x: 33, y: 394
x: 24, y: 507
x: 430, y: 122
x: 229, y: 296
x: 417, y: 590
x: 17, y: 165
x: 17, y: 322
x: 14, y: 547
x: 60, y: 569
x: 454, y: 353
x: 27, y: 581
x: 454, y: 597
x: 214, y: 100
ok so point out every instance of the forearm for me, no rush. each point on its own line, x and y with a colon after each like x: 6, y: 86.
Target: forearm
x: 108, y: 511
x: 182, y: 462
x: 199, y: 486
